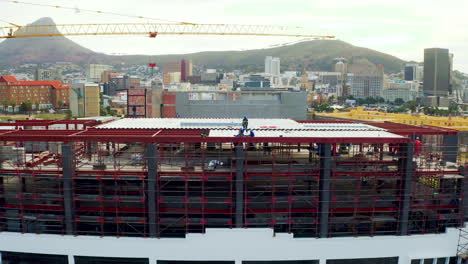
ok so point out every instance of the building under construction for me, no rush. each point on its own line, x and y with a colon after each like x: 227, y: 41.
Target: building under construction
x: 200, y: 191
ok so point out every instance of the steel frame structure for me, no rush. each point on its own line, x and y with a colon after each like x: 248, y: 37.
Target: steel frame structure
x: 159, y: 183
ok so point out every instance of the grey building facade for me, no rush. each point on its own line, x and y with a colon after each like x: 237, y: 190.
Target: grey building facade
x: 254, y: 104
x: 366, y: 85
x: 437, y: 68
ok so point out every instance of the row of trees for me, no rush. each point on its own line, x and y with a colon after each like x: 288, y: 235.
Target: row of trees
x: 365, y: 101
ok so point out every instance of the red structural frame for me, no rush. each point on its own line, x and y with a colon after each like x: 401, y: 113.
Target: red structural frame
x: 279, y: 175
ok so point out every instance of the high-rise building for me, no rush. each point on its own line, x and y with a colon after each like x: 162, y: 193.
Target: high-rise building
x: 437, y: 71
x: 183, y: 67
x: 94, y: 73
x: 173, y: 66
x: 186, y: 68
x: 341, y: 67
x: 47, y: 75
x: 413, y: 72
x: 272, y: 66
x: 85, y: 99
x: 366, y: 85
x: 273, y: 69
x: 268, y: 60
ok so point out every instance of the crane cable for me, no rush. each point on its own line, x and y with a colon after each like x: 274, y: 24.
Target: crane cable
x: 13, y: 24
x: 76, y: 9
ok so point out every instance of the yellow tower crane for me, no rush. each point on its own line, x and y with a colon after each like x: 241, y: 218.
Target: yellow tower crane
x: 151, y: 30
x: 161, y: 27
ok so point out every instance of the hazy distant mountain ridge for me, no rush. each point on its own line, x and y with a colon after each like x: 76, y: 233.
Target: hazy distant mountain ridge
x: 309, y: 55
x: 45, y: 49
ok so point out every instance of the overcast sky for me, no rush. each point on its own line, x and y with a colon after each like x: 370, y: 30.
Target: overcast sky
x: 399, y: 27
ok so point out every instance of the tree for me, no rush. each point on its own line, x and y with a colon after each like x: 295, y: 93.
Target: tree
x: 60, y: 104
x: 412, y: 105
x: 399, y: 101
x: 26, y: 107
x: 323, y: 108
x: 36, y: 105
x: 453, y: 108
x: 13, y: 104
x: 68, y: 114
x: 5, y: 104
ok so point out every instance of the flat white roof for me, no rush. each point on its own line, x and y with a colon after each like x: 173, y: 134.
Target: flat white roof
x: 200, y: 123
x: 229, y: 127
x: 308, y: 134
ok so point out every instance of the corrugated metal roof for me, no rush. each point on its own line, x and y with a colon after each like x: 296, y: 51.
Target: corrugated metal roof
x: 309, y: 134
x: 191, y: 123
x: 229, y: 127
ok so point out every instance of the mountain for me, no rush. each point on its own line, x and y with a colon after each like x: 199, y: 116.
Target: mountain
x: 47, y: 49
x: 311, y: 55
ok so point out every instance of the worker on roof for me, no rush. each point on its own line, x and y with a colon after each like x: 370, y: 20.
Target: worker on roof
x: 417, y: 146
x: 245, y: 123
x: 252, y: 134
x: 204, y: 134
x: 240, y: 133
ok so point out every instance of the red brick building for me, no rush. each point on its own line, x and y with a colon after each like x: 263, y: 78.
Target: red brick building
x: 39, y: 92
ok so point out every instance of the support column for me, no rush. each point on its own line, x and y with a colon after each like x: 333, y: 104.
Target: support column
x: 240, y: 185
x: 464, y: 188
x: 450, y: 152
x: 324, y: 188
x: 71, y: 259
x: 151, y: 155
x: 68, y: 171
x: 2, y: 199
x: 403, y: 260
x: 406, y: 169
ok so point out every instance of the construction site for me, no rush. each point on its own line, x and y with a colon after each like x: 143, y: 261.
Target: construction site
x: 172, y: 177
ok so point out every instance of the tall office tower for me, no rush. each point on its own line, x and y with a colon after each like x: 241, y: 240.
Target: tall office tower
x: 173, y: 66
x: 410, y: 72
x: 268, y: 60
x: 413, y: 72
x: 186, y: 69
x: 272, y: 66
x: 94, y: 71
x: 273, y: 69
x: 437, y: 72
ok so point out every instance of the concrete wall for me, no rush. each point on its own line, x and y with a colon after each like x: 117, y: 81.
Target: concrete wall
x: 237, y: 245
x: 252, y: 104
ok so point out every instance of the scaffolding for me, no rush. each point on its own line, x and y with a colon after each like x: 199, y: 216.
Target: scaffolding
x: 171, y: 182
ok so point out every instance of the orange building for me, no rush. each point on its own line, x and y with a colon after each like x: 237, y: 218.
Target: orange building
x: 38, y: 92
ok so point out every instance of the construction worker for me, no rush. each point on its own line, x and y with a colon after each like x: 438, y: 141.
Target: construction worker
x: 204, y: 134
x: 417, y: 146
x: 240, y: 133
x: 245, y: 123
x: 252, y: 134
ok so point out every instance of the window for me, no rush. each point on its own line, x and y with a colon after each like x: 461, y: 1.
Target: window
x: 99, y: 260
x: 393, y: 260
x: 193, y: 262
x: 28, y: 258
x: 283, y: 262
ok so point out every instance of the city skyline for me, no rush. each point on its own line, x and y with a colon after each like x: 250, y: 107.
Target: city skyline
x: 384, y: 26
